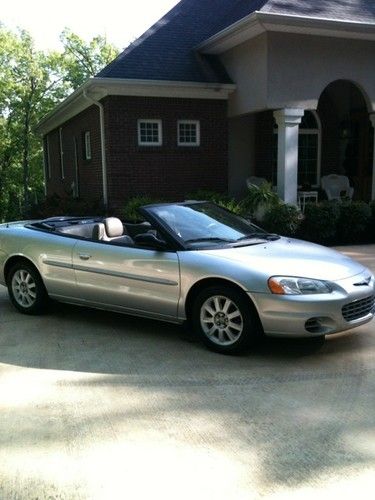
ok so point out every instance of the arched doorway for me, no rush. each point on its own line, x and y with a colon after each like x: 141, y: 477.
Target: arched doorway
x: 347, y: 136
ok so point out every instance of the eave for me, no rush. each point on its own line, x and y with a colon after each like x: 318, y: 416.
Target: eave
x: 260, y: 22
x: 98, y: 88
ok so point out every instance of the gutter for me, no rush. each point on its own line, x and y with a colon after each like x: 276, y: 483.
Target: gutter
x: 102, y: 145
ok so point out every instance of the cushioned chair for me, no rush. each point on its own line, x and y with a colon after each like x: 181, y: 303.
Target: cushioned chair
x: 111, y: 229
x: 337, y: 186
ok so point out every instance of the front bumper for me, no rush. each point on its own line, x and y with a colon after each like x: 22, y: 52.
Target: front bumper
x: 348, y: 306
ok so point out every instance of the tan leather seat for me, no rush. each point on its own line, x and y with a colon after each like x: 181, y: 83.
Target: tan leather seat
x: 111, y: 229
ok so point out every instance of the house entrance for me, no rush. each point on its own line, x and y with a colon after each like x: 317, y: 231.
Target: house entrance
x: 347, y: 136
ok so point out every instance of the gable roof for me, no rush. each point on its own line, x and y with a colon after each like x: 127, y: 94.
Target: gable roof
x: 167, y: 50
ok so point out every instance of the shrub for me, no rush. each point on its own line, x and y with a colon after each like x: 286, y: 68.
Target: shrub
x: 259, y: 200
x: 130, y: 211
x: 283, y: 219
x: 207, y: 195
x: 353, y: 221
x: 320, y: 222
x: 56, y: 205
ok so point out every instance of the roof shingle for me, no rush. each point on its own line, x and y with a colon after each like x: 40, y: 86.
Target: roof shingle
x: 166, y: 50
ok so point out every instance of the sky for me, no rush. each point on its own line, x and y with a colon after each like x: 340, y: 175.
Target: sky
x: 120, y: 21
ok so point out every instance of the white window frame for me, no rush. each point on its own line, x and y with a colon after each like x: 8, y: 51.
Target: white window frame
x: 197, y: 123
x: 88, y: 155
x: 160, y: 132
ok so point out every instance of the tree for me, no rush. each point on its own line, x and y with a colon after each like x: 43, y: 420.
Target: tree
x: 83, y: 60
x: 32, y: 82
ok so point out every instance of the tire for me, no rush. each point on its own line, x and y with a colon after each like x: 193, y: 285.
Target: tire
x: 225, y: 320
x: 26, y: 289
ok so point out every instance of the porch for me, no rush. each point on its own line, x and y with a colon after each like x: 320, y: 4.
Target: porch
x: 293, y: 148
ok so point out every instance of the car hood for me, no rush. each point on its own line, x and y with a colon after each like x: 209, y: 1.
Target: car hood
x: 290, y: 257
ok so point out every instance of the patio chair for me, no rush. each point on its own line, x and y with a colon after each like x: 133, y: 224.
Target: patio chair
x: 337, y: 187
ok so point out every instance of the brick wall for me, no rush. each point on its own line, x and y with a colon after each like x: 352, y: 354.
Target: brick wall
x: 169, y: 170
x: 89, y: 171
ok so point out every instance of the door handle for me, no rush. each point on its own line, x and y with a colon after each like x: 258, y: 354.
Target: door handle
x: 84, y: 256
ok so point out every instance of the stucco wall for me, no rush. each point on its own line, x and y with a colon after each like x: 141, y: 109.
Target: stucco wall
x: 277, y: 70
x: 300, y: 67
x: 247, y: 66
x: 241, y: 150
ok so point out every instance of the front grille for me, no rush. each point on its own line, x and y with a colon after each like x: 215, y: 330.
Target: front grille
x: 358, y: 308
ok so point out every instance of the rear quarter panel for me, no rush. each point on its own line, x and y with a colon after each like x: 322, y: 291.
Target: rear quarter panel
x: 50, y: 254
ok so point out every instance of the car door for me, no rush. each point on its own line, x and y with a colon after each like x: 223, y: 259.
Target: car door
x: 129, y: 279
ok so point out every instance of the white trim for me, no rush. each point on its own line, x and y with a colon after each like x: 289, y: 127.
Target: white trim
x: 102, y: 87
x: 257, y: 23
x: 88, y: 145
x: 62, y: 171
x: 160, y: 132
x: 195, y: 144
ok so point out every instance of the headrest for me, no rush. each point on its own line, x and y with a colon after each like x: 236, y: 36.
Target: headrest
x: 113, y: 227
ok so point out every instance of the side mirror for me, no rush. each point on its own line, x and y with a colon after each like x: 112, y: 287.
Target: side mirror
x: 150, y: 240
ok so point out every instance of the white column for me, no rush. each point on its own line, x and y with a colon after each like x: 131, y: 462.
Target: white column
x: 372, y: 119
x: 288, y: 121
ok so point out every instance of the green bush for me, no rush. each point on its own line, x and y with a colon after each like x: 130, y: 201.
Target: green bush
x: 259, y: 199
x: 130, y: 211
x: 207, y: 195
x: 353, y: 222
x: 282, y: 219
x: 320, y: 222
x: 56, y: 205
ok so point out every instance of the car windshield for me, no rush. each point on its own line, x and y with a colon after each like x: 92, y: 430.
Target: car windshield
x: 206, y: 224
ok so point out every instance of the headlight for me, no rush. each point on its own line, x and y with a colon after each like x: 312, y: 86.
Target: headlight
x: 286, y: 285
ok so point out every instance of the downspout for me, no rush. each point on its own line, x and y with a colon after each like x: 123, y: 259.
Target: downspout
x: 102, y: 145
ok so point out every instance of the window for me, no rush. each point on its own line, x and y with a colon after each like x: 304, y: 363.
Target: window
x: 149, y: 133
x: 188, y: 133
x: 309, y: 150
x: 87, y: 145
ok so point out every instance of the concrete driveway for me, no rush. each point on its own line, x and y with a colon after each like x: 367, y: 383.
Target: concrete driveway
x: 102, y: 406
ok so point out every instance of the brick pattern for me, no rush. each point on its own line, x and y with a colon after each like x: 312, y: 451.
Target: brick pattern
x: 169, y: 171
x: 89, y: 171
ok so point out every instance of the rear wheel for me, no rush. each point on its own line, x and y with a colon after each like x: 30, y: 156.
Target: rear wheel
x: 225, y: 320
x: 26, y: 289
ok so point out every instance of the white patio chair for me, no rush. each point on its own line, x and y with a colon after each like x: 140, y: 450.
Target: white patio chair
x: 337, y: 187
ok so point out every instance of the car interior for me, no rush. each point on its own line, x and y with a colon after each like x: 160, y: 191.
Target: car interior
x: 110, y: 230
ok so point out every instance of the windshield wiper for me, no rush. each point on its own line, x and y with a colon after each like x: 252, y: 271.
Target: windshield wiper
x: 259, y: 235
x: 199, y: 240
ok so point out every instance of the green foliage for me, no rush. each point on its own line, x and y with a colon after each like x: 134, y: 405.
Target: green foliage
x: 220, y: 199
x: 353, y: 221
x: 320, y: 222
x: 55, y: 206
x: 81, y: 60
x: 259, y: 199
x: 282, y: 219
x: 32, y: 82
x: 130, y: 212
x: 207, y: 195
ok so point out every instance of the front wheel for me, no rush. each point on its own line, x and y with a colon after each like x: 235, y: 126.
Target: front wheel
x: 26, y: 289
x: 225, y: 320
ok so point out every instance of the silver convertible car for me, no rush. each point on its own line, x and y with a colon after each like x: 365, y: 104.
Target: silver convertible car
x: 188, y: 262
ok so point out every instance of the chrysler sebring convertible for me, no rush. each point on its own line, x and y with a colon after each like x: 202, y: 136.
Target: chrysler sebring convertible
x: 189, y: 262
